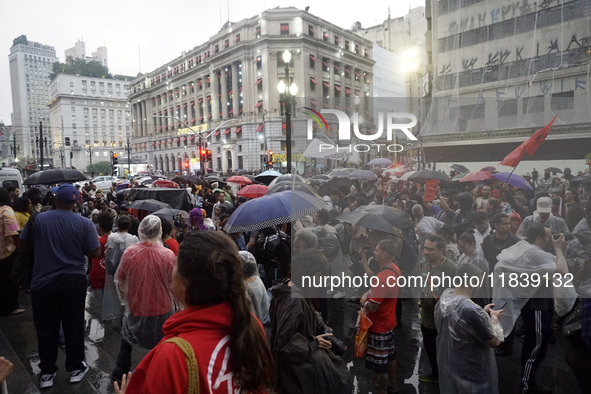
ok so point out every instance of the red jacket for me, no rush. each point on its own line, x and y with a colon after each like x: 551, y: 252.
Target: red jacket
x: 164, y: 369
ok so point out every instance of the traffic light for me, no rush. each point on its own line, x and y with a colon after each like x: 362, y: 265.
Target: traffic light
x: 114, y: 158
x: 186, y: 165
x: 270, y: 158
x: 208, y: 155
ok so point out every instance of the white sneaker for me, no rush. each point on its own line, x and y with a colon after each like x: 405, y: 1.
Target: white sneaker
x: 46, y: 381
x: 78, y: 374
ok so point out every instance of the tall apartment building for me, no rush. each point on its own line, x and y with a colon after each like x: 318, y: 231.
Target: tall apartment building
x: 88, y: 116
x: 227, y: 88
x: 78, y: 51
x: 30, y: 66
x: 504, y: 69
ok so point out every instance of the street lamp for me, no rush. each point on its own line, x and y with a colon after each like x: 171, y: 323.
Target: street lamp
x: 202, y: 143
x: 287, y: 91
x: 90, y: 157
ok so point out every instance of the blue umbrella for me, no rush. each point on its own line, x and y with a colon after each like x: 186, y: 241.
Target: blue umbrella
x: 271, y: 210
x: 513, y: 180
x: 363, y: 175
x: 380, y: 161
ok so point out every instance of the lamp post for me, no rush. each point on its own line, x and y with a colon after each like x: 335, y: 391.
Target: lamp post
x: 287, y: 90
x: 202, y: 143
x: 90, y: 156
x: 128, y: 158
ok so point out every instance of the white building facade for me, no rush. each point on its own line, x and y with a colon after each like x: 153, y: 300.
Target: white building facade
x: 88, y: 116
x: 30, y: 66
x: 226, y: 90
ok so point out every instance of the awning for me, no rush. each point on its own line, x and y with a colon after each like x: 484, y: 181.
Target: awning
x: 258, y: 81
x: 184, y: 139
x: 313, y: 102
x: 259, y: 128
x: 357, y: 92
x: 325, y: 63
x: 154, y: 143
x: 227, y: 131
x: 313, y: 80
x: 185, y: 105
x: 337, y: 87
x: 177, y: 139
x: 326, y: 84
x: 324, y: 35
x: 178, y: 106
x: 209, y: 97
x: 325, y: 105
x: 209, y: 116
x: 347, y: 91
x: 193, y: 120
x: 192, y: 138
x: 170, y: 141
x: 238, y: 130
x: 155, y: 128
x: 283, y: 126
x: 313, y: 58
x: 336, y: 67
x: 311, y: 29
x: 231, y: 111
x: 256, y: 59
x: 200, y: 100
x: 338, y: 107
x: 200, y: 82
x: 259, y: 104
x: 216, y: 133
x: 356, y: 73
x: 192, y: 103
x: 201, y: 118
x: 230, y: 92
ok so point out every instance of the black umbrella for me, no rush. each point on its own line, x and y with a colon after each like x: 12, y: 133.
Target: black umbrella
x: 149, y: 205
x: 369, y: 220
x: 188, y: 179
x: 429, y: 174
x: 283, y: 186
x: 56, y: 175
x: 213, y: 178
x: 460, y: 168
x: 554, y: 169
x: 170, y: 213
x: 395, y: 217
x: 585, y: 179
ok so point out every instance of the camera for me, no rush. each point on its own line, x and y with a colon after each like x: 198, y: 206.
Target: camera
x: 338, y: 347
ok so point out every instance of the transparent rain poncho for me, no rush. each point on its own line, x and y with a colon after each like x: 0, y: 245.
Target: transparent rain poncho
x: 466, y: 363
x: 522, y: 260
x: 116, y: 245
x: 143, y: 280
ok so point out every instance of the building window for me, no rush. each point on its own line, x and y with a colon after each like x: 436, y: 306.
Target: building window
x: 257, y: 32
x: 311, y: 30
x: 312, y: 61
x: 284, y: 29
x: 216, y: 48
x: 325, y: 36
x: 347, y: 45
x: 240, y: 162
x: 564, y: 100
x: 337, y: 40
x: 508, y: 107
x: 237, y: 38
x: 226, y: 43
x: 325, y: 65
x: 534, y: 104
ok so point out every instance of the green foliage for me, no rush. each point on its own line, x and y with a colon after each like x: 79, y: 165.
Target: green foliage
x: 102, y: 167
x: 90, y: 68
x: 588, y: 157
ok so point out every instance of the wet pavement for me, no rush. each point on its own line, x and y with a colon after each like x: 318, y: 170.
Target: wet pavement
x: 18, y: 343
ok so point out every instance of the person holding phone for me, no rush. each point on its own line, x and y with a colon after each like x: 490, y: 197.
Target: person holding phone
x: 467, y: 336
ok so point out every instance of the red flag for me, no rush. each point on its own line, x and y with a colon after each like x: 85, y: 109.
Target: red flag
x: 529, y: 146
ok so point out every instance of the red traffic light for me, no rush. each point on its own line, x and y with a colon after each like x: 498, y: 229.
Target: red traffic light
x: 203, y: 152
x: 270, y: 153
x: 186, y: 164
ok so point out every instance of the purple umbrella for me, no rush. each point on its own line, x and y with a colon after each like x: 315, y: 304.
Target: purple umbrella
x: 513, y: 180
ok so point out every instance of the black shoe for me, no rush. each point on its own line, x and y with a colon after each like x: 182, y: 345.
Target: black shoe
x: 503, y: 352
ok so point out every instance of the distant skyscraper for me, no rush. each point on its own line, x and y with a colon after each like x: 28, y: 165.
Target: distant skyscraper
x: 78, y: 51
x: 30, y: 66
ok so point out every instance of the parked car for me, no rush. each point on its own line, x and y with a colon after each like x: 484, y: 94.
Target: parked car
x: 102, y: 182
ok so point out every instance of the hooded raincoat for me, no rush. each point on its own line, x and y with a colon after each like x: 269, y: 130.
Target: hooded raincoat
x: 466, y: 363
x: 144, y: 279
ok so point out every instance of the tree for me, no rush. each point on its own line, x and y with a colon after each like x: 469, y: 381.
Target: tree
x: 102, y: 167
x: 83, y: 67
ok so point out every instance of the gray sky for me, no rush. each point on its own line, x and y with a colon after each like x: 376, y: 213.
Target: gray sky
x: 150, y: 32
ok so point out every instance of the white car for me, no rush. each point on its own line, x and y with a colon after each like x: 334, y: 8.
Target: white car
x: 102, y: 182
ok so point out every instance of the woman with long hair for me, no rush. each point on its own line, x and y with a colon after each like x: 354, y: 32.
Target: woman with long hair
x: 216, y: 328
x: 22, y: 207
x: 8, y: 240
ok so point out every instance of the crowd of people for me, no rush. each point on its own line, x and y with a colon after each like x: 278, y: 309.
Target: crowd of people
x: 221, y: 312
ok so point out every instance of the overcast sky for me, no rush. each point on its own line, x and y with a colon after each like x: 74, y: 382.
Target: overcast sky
x: 150, y: 33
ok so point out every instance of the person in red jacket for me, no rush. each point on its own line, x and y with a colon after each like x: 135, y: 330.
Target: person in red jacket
x: 97, y: 268
x: 227, y: 340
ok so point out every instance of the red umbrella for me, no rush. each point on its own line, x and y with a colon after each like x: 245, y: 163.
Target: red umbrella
x: 253, y: 191
x: 477, y: 176
x: 239, y: 179
x: 165, y: 183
